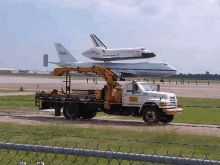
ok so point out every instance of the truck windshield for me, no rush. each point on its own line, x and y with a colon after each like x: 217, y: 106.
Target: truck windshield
x: 145, y: 87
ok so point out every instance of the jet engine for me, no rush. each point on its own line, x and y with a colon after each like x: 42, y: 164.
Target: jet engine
x: 120, y: 75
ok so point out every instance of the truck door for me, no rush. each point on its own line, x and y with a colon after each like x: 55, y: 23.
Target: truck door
x: 131, y: 95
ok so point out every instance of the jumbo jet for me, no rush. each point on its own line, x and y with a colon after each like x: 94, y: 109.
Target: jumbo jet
x: 139, y: 69
x: 101, y: 53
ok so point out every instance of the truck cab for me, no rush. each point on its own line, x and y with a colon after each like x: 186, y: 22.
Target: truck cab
x: 154, y: 106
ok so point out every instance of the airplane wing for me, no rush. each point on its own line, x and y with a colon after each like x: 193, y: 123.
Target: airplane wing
x: 60, y: 64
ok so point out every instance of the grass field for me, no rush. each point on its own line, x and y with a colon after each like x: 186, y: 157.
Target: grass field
x: 149, y: 148
x: 193, y: 115
x: 9, y: 91
x: 185, y: 101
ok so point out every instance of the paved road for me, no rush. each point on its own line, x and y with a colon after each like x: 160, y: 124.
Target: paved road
x: 17, y: 93
x: 184, y: 90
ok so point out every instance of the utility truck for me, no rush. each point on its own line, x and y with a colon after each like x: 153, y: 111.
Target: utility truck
x: 135, y: 98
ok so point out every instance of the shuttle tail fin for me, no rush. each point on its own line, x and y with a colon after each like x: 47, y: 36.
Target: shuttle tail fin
x: 96, y: 41
x: 64, y: 55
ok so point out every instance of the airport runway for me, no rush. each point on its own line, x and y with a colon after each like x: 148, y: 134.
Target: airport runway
x: 48, y: 84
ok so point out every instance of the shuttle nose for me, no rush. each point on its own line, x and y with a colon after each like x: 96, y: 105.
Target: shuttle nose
x: 148, y: 55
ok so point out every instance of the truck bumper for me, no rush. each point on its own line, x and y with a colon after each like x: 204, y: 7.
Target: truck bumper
x: 173, y: 111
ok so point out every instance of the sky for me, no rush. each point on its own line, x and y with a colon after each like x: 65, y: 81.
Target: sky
x: 185, y: 34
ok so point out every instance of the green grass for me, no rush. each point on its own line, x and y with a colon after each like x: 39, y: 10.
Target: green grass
x: 9, y: 91
x: 193, y: 115
x: 198, y: 116
x: 185, y: 101
x: 17, y: 101
x: 149, y: 148
x: 198, y: 101
x: 189, y: 115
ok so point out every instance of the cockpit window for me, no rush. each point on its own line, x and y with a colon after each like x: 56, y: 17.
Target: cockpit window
x: 142, y: 48
x: 165, y: 64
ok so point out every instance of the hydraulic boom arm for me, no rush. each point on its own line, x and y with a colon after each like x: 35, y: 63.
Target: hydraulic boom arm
x: 109, y: 76
x: 106, y: 73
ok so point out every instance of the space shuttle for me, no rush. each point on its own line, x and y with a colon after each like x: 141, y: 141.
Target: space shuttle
x: 101, y: 53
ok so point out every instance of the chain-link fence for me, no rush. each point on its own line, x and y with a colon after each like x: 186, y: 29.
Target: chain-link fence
x: 15, y: 153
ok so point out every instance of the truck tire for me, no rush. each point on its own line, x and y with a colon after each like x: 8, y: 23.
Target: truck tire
x: 71, y: 111
x: 88, y: 114
x: 167, y: 119
x: 151, y: 115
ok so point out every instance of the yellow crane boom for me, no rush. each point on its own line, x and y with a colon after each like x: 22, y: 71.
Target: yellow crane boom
x: 109, y: 76
x: 106, y: 73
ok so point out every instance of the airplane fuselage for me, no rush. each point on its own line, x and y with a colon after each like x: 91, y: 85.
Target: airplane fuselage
x: 144, y: 69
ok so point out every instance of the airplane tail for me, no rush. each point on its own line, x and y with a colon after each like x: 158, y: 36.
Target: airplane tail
x: 64, y: 55
x: 96, y: 41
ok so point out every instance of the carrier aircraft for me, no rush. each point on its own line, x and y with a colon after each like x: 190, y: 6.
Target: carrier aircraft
x: 101, y: 53
x: 140, y: 69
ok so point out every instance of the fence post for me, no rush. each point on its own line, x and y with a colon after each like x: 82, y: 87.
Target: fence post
x: 196, y: 82
x: 176, y: 81
x: 208, y: 82
x: 188, y: 81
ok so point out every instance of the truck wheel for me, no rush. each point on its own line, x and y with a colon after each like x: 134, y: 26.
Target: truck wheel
x: 167, y: 119
x: 150, y: 115
x: 71, y: 111
x: 88, y: 114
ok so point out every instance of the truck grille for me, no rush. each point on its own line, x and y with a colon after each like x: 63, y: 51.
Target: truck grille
x: 172, y: 100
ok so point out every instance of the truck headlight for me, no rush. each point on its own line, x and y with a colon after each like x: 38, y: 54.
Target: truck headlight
x: 162, y: 104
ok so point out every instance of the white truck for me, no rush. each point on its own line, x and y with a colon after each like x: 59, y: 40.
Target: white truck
x: 154, y: 106
x: 135, y: 98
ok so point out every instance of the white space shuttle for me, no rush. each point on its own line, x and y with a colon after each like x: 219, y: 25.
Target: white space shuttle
x: 101, y: 53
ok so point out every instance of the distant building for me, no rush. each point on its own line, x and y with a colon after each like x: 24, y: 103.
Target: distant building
x: 8, y: 71
x: 32, y: 72
x: 43, y: 72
